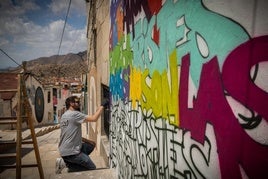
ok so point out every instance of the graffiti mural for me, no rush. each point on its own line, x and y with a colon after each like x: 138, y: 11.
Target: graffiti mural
x: 189, y: 93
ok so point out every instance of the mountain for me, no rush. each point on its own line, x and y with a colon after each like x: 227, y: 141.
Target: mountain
x: 59, y: 59
x: 56, y: 67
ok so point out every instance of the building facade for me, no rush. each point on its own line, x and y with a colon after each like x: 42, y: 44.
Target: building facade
x: 47, y: 101
x: 98, y: 76
x: 8, y: 100
x: 188, y: 86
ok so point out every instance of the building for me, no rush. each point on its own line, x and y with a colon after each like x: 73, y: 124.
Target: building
x: 188, y: 86
x: 47, y: 100
x: 8, y: 101
x: 98, y: 76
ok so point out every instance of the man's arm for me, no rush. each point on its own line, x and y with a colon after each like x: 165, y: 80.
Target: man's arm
x: 95, y: 116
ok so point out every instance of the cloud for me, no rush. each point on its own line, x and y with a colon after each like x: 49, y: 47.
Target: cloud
x: 12, y: 16
x: 14, y: 8
x: 24, y: 39
x: 45, y: 41
x: 59, y: 7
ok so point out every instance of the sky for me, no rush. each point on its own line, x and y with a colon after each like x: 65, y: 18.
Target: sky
x: 30, y: 29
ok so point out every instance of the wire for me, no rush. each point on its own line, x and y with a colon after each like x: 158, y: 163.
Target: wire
x: 64, y: 26
x: 10, y: 57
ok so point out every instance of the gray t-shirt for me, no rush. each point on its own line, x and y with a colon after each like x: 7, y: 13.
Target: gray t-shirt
x: 71, y: 132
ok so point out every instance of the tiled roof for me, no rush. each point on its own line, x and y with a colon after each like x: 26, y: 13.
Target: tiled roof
x: 8, y: 81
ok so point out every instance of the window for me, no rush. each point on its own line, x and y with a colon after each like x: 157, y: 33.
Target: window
x: 59, y: 93
x: 48, y: 97
x: 106, y: 115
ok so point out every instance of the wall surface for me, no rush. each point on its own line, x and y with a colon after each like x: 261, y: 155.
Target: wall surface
x: 189, y: 84
x: 48, y: 112
x: 31, y: 86
x: 98, y: 56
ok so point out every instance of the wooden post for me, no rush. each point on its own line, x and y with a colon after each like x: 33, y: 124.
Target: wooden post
x: 28, y: 110
x: 18, y: 127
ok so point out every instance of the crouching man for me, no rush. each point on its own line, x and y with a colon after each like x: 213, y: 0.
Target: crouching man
x: 73, y: 150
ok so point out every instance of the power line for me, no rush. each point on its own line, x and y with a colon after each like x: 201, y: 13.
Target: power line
x: 10, y: 57
x: 64, y: 26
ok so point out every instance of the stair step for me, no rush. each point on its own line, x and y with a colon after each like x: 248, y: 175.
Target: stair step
x: 11, y: 155
x: 8, y: 122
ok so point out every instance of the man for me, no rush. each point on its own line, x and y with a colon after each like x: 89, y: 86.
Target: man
x: 73, y: 151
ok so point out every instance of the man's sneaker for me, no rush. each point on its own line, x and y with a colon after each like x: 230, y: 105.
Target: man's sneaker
x: 60, y: 165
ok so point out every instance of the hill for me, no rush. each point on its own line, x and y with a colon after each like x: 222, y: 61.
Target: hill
x: 57, y: 66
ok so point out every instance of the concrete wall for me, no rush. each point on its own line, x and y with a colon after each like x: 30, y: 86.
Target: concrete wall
x: 48, y: 115
x: 98, y: 56
x: 6, y: 110
x: 31, y: 86
x: 188, y: 81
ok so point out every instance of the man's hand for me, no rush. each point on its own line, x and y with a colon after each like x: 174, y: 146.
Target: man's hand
x: 105, y: 103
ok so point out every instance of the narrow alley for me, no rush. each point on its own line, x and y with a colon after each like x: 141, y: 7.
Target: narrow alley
x: 48, y: 143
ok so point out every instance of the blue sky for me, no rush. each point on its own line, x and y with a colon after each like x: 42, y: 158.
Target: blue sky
x: 30, y: 29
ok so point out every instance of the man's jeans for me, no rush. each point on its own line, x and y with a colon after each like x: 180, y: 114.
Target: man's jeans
x: 81, y: 161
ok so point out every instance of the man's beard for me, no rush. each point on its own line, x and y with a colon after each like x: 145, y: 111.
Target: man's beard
x: 77, y: 108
